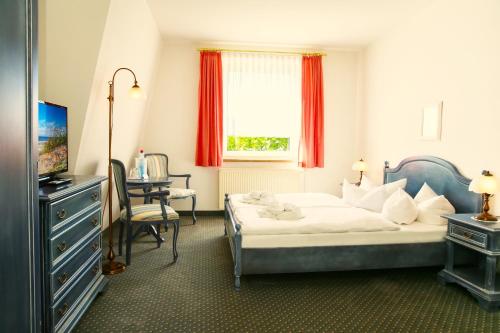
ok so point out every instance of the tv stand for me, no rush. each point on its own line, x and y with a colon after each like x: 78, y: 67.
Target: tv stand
x: 71, y: 251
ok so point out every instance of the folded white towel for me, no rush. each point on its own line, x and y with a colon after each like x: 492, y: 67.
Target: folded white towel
x: 260, y: 198
x: 284, y: 211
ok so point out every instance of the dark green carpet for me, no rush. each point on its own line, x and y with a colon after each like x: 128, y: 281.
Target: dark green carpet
x: 196, y: 295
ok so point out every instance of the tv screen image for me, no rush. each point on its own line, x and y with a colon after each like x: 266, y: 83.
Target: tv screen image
x: 52, y: 139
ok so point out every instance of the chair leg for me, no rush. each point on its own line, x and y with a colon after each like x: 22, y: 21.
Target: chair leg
x: 128, y: 248
x: 194, y: 209
x: 120, y: 239
x: 158, y: 238
x: 174, y: 245
x: 166, y: 224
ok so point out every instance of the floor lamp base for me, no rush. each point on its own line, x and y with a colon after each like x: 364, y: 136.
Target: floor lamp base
x: 113, y: 267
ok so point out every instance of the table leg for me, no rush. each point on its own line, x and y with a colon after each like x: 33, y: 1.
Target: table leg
x: 147, y: 189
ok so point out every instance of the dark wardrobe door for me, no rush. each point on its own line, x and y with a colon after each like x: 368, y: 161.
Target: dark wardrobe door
x: 19, y: 262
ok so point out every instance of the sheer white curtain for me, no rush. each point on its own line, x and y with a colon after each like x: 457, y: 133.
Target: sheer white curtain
x: 262, y: 96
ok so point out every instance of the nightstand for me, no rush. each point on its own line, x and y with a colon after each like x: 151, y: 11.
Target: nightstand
x: 482, y: 277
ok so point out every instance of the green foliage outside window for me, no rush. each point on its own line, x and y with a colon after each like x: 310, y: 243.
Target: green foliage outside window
x: 59, y: 138
x: 249, y: 143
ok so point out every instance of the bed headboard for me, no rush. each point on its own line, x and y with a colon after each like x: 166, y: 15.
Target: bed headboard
x: 442, y: 176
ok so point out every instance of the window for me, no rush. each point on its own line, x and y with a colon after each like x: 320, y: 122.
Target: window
x: 262, y: 105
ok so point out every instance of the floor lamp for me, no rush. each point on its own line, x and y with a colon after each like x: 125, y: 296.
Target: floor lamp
x: 111, y: 266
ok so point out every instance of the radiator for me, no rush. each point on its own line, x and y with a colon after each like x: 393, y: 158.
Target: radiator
x: 244, y: 180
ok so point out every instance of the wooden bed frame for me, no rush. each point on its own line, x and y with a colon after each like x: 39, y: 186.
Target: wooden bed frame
x: 441, y: 175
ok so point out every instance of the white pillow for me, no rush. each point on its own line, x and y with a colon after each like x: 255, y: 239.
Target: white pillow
x: 424, y: 193
x: 430, y: 210
x: 351, y: 193
x: 394, y: 186
x: 374, y: 199
x: 400, y: 208
x: 366, y: 183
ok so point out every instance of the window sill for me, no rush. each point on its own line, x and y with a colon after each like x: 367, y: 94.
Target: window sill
x: 253, y: 159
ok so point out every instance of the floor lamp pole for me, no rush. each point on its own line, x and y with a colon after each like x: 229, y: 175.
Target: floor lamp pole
x: 111, y: 266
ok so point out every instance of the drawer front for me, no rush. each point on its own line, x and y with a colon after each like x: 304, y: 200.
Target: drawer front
x: 68, y: 272
x: 473, y: 237
x: 65, y: 209
x: 69, y: 301
x: 67, y: 242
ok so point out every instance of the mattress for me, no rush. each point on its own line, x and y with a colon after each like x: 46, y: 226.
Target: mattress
x: 407, y: 234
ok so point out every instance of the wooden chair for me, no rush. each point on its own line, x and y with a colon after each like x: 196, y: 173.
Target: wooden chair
x: 141, y: 216
x: 158, y: 167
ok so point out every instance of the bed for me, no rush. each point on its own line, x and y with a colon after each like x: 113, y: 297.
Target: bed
x: 294, y: 251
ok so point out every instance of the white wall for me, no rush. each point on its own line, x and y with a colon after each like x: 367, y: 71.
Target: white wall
x: 70, y: 34
x: 131, y: 39
x: 172, y: 120
x: 173, y: 117
x: 449, y: 52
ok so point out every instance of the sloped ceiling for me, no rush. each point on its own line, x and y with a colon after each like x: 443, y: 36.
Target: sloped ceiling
x: 311, y: 22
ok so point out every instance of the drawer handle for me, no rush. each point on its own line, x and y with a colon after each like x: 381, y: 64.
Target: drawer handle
x: 467, y: 234
x: 62, y: 246
x: 95, y: 246
x: 61, y: 214
x: 94, y: 196
x: 95, y: 221
x: 63, y: 278
x: 63, y: 310
x: 95, y: 270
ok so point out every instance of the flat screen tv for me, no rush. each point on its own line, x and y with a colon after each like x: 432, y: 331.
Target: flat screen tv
x: 52, y: 139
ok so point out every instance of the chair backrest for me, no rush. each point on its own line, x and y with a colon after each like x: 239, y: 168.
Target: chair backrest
x: 157, y: 165
x: 121, y: 183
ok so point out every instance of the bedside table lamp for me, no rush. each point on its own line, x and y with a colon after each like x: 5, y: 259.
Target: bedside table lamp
x: 111, y: 266
x: 487, y: 185
x: 360, y: 166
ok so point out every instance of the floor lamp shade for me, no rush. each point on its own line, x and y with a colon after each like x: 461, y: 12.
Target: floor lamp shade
x: 136, y: 92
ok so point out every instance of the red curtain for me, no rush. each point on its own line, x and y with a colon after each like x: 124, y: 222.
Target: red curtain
x: 209, y: 140
x: 311, y: 141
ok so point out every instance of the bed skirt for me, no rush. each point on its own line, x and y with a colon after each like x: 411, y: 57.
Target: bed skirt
x: 341, y: 258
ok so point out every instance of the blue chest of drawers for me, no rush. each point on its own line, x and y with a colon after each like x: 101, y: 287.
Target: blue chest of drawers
x: 71, y: 251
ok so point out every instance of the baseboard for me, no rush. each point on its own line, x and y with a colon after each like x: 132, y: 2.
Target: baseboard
x: 201, y: 212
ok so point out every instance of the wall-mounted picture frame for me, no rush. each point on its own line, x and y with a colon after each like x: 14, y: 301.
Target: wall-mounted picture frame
x: 432, y: 116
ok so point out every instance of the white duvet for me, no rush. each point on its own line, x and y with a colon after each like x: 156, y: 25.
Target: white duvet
x: 322, y: 219
x: 302, y: 200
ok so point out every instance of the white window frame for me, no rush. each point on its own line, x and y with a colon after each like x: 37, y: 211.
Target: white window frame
x: 279, y: 156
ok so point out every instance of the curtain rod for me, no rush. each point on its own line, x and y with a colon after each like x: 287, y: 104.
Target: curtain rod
x: 323, y: 54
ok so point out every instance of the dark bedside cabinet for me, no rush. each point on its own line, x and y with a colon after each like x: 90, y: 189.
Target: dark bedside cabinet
x: 482, y: 279
x: 71, y: 250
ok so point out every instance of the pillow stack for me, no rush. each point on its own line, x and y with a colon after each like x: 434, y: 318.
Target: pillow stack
x: 400, y: 208
x: 372, y: 198
x: 431, y: 206
x: 395, y: 204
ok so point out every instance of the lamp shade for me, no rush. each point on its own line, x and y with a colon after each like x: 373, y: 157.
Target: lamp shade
x: 136, y: 91
x: 486, y: 183
x: 360, y: 165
